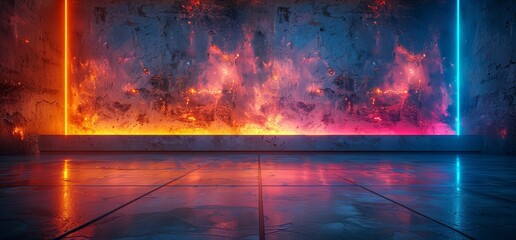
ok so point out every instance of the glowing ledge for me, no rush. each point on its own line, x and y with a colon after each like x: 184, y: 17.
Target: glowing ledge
x: 89, y: 143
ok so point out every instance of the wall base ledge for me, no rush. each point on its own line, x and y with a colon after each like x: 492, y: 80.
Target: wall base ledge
x: 331, y: 143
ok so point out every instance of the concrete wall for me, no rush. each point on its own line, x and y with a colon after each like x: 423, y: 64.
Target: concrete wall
x: 30, y: 73
x: 489, y: 99
x: 263, y: 67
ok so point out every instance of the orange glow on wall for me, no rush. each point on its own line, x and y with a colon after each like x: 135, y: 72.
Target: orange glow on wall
x: 113, y: 89
x: 18, y: 131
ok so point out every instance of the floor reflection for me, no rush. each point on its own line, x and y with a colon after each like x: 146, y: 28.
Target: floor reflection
x: 66, y: 200
x: 215, y: 195
x: 458, y: 211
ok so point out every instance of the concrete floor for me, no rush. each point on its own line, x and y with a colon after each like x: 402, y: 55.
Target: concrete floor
x: 254, y: 195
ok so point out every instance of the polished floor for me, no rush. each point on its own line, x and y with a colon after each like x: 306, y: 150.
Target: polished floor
x: 258, y: 196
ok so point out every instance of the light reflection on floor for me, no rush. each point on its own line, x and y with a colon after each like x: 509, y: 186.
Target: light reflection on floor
x: 305, y: 196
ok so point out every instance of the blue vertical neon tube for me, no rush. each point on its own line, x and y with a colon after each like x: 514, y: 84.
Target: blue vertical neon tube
x: 458, y: 130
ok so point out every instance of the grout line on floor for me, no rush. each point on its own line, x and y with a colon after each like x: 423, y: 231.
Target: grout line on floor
x: 124, y: 205
x: 405, y: 206
x: 260, y: 201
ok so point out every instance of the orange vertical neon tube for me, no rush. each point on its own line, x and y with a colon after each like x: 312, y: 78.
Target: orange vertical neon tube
x: 66, y: 67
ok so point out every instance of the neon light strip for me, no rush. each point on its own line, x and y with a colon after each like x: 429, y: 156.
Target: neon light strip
x: 66, y: 67
x: 458, y: 68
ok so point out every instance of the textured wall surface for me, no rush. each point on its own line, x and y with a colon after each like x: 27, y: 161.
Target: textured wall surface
x: 31, y: 66
x: 30, y: 73
x: 489, y: 97
x: 262, y: 67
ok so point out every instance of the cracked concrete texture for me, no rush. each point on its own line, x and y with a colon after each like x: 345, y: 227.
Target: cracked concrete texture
x: 489, y: 73
x: 30, y: 73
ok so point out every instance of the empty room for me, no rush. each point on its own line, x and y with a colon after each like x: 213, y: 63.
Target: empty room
x: 257, y: 119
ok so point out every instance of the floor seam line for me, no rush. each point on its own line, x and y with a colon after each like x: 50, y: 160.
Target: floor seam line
x: 404, y: 206
x: 260, y: 201
x: 124, y: 205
